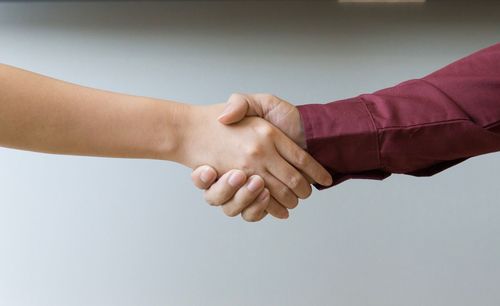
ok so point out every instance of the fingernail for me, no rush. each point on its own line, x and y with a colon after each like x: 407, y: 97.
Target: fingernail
x: 263, y: 195
x: 255, y: 184
x: 236, y: 179
x: 328, y: 180
x: 206, y: 175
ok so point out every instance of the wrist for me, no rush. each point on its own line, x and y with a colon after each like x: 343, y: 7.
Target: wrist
x: 299, y: 135
x: 192, y: 130
x: 290, y: 123
x: 176, y: 124
x: 185, y: 131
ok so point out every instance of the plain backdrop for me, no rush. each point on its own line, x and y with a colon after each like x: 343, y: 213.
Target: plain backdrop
x: 78, y: 231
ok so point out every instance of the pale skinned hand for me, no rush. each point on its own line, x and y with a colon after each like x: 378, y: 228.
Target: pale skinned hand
x: 262, y: 152
x: 231, y: 190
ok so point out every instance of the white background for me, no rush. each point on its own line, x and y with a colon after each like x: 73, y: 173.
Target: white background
x: 97, y: 231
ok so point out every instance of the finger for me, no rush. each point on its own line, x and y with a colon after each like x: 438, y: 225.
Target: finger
x: 277, y: 210
x: 259, y: 218
x: 203, y: 176
x: 257, y: 210
x: 245, y: 196
x: 225, y: 188
x: 280, y: 192
x: 308, y: 178
x: 238, y: 107
x: 290, y: 177
x: 301, y: 160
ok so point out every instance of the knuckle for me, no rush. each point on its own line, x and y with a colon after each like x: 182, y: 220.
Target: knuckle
x: 265, y: 130
x: 211, y: 199
x: 255, y: 150
x: 249, y: 168
x: 301, y: 159
x: 284, y: 192
x: 245, y: 164
x: 295, y: 181
x: 287, y: 198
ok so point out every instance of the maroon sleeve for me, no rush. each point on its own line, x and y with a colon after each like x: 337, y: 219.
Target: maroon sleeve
x: 419, y: 127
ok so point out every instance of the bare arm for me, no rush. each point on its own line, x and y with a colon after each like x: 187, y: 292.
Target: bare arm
x: 42, y: 114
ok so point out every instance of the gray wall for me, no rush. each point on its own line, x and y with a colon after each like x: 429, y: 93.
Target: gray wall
x: 97, y: 231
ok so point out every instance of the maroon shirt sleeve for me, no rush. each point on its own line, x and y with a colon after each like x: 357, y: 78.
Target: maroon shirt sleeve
x: 419, y: 127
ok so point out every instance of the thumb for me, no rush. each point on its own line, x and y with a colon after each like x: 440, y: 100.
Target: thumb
x: 237, y: 108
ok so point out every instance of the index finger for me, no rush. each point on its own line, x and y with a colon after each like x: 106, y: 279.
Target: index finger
x: 224, y: 189
x: 301, y: 160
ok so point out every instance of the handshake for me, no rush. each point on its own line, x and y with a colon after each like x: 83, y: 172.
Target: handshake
x: 249, y: 156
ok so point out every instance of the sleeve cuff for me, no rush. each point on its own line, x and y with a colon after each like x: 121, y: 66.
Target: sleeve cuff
x: 342, y: 137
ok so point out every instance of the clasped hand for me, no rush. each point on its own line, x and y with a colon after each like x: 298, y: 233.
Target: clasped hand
x: 254, y: 143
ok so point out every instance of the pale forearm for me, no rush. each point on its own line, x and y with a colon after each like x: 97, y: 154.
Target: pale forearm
x: 42, y: 114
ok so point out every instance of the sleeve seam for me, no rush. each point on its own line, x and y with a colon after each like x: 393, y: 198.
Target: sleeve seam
x: 424, y: 124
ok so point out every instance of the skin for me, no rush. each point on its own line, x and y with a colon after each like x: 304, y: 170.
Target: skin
x: 281, y: 114
x: 42, y: 114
